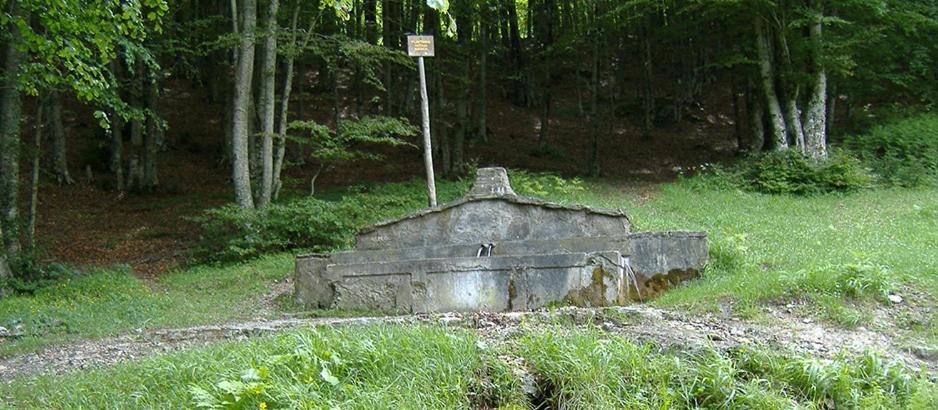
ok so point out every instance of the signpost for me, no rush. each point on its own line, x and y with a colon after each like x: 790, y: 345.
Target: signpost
x: 421, y: 46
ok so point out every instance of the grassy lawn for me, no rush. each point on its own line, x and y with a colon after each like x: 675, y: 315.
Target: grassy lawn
x: 112, y: 301
x: 417, y: 366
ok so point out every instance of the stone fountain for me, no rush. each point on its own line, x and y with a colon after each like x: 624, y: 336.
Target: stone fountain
x: 494, y: 250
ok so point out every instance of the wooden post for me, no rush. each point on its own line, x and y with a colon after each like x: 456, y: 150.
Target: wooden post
x: 421, y: 46
x: 427, y: 149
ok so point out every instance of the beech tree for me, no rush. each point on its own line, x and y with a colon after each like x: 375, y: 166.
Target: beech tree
x: 62, y: 45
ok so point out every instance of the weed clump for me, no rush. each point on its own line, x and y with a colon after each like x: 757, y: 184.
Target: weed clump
x: 589, y: 369
x: 904, y: 152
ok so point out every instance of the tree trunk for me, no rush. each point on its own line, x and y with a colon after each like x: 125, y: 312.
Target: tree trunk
x: 34, y: 182
x: 816, y: 117
x: 756, y: 116
x: 268, y: 106
x: 517, y: 57
x: 464, y: 24
x: 371, y: 21
x: 154, y: 130
x: 117, y: 138
x: 57, y: 129
x: 792, y: 111
x: 391, y: 23
x: 594, y: 168
x: 483, y: 74
x: 4, y: 271
x: 441, y: 134
x: 282, y: 128
x: 135, y: 180
x: 831, y: 108
x: 648, y: 90
x: 10, y: 112
x: 312, y: 180
x: 793, y: 121
x: 737, y: 124
x: 240, y: 154
x: 767, y: 72
x: 546, y: 32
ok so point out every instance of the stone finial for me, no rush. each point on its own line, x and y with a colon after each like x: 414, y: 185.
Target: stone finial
x: 491, y: 181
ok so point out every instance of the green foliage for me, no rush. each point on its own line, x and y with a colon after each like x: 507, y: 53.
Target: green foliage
x: 68, y: 44
x: 230, y: 233
x: 352, y: 367
x: 837, y: 289
x: 352, y: 138
x: 590, y: 369
x: 30, y: 274
x: 544, y: 185
x: 785, y: 172
x: 790, y: 172
x: 853, y: 280
x: 233, y: 233
x: 903, y: 152
x: 408, y: 366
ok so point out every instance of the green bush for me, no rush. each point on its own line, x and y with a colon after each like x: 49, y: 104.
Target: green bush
x: 230, y: 233
x: 790, y: 172
x: 903, y: 152
x: 30, y: 274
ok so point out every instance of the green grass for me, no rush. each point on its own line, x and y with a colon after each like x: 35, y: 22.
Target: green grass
x: 367, y: 367
x: 593, y: 370
x: 111, y: 301
x: 419, y: 366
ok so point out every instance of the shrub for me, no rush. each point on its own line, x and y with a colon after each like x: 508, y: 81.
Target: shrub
x: 790, y: 172
x: 903, y: 152
x: 231, y: 233
x: 30, y: 274
x: 544, y: 185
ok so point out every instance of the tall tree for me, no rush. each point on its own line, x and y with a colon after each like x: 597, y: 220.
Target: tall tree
x: 816, y: 116
x: 244, y: 77
x: 10, y: 111
x: 767, y: 73
x: 267, y: 105
x: 53, y: 106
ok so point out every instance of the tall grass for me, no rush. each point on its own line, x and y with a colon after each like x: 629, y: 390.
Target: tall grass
x: 417, y: 366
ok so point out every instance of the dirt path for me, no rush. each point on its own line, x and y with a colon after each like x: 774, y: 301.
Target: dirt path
x: 667, y: 329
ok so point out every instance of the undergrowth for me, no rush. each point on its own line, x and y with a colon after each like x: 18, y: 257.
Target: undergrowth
x: 904, y: 152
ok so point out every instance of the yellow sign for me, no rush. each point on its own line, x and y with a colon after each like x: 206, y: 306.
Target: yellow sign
x: 420, y: 46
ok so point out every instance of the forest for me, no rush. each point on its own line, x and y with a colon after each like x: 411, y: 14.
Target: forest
x: 305, y: 86
x: 163, y: 161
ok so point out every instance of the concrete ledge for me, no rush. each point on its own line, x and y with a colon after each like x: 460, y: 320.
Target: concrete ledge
x: 504, y: 248
x: 500, y: 283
